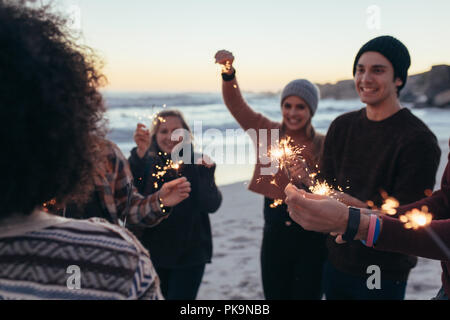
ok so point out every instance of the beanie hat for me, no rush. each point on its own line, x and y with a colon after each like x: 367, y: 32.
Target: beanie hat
x: 304, y: 89
x: 393, y: 50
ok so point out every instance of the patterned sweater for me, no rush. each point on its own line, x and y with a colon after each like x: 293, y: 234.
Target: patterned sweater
x: 43, y: 256
x: 115, y: 198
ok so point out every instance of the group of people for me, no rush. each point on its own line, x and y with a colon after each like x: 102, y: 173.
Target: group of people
x: 377, y: 150
x: 149, y: 233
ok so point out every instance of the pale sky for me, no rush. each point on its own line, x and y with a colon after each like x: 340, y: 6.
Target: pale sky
x: 169, y: 45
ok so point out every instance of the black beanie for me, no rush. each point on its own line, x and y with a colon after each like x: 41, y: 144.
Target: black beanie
x: 394, y: 51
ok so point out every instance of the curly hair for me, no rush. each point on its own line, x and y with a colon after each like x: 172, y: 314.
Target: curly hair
x: 51, y: 109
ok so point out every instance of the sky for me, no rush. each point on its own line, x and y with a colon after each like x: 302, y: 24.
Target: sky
x: 169, y: 45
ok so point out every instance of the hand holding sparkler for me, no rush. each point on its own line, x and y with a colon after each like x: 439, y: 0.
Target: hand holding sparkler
x: 175, y: 191
x: 142, y: 139
x: 316, y: 212
x: 301, y: 174
x: 225, y: 58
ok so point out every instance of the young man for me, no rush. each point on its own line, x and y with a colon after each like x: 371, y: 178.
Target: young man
x: 382, y: 148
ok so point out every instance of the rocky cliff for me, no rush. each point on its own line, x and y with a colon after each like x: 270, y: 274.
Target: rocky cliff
x: 428, y: 89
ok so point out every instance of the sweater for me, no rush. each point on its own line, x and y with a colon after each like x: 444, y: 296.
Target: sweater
x: 398, y: 155
x: 184, y: 239
x: 40, y: 254
x: 267, y: 179
x: 396, y: 238
x: 114, y: 197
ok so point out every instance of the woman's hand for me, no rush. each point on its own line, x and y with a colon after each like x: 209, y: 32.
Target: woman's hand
x: 300, y: 173
x: 225, y: 58
x: 175, y: 191
x: 142, y: 139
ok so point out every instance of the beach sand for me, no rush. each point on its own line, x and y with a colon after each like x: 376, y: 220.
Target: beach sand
x: 235, y: 271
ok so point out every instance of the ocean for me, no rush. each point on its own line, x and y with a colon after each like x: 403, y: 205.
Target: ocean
x: 216, y: 132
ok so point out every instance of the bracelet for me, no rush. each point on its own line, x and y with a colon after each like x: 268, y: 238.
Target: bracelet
x: 371, y: 231
x: 354, y: 216
x: 229, y: 77
x: 374, y: 231
x: 377, y: 231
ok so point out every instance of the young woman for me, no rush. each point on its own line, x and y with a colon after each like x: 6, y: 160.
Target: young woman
x: 51, y: 101
x: 291, y: 258
x: 181, y: 245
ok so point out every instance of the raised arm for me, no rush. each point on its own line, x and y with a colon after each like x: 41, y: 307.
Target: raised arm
x: 238, y: 107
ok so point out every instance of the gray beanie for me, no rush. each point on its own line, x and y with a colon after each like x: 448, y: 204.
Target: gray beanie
x: 304, y: 89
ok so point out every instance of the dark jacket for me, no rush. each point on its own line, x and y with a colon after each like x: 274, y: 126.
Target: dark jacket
x: 183, y: 239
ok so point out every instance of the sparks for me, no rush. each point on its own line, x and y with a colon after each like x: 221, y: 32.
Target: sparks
x: 390, y: 206
x: 276, y: 203
x: 322, y: 188
x: 416, y: 218
x: 285, y: 154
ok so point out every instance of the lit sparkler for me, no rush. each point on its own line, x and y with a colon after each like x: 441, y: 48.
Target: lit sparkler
x: 390, y: 206
x: 322, y: 188
x: 416, y: 219
x: 285, y: 155
x: 276, y: 203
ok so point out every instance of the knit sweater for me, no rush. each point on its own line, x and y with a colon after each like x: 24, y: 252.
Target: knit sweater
x: 395, y: 237
x: 399, y: 155
x: 37, y: 252
x: 267, y: 179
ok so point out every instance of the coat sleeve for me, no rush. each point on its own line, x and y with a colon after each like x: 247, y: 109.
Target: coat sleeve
x: 395, y: 237
x: 209, y: 197
x: 241, y: 111
x: 131, y: 205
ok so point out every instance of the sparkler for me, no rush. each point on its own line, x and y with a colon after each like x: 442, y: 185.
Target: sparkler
x: 416, y: 219
x: 276, y: 203
x: 322, y: 188
x: 285, y: 155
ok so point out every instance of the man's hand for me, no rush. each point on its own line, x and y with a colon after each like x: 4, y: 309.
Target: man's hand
x: 175, y: 191
x: 142, y: 139
x: 225, y: 58
x: 316, y: 212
